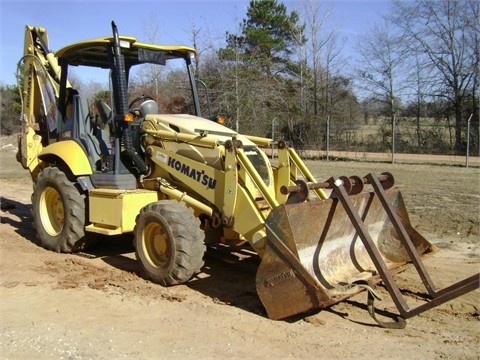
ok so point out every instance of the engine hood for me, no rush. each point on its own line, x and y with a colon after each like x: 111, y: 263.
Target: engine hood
x: 194, y: 125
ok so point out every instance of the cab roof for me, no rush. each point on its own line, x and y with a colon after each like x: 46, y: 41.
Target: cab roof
x: 95, y: 52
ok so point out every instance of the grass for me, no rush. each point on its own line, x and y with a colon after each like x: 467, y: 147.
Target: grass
x: 441, y: 200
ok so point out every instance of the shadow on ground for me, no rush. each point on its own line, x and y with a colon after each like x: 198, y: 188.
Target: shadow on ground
x: 18, y: 216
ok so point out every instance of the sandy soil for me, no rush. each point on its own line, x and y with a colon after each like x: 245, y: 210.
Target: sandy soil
x: 57, y: 306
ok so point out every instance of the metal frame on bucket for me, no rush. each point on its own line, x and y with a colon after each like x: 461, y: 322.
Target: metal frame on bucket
x: 302, y: 290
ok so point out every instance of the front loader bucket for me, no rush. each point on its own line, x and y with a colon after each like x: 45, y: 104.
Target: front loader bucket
x: 322, y: 251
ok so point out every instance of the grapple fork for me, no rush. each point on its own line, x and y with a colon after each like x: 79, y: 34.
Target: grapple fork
x: 321, y: 252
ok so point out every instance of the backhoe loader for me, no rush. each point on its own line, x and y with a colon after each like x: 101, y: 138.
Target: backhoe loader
x: 181, y: 181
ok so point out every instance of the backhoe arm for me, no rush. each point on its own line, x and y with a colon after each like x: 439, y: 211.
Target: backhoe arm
x: 38, y: 74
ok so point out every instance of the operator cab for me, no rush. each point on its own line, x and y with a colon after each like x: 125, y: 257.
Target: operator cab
x: 108, y: 127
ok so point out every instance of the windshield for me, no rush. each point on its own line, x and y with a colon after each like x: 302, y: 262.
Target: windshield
x: 167, y: 84
x: 164, y: 80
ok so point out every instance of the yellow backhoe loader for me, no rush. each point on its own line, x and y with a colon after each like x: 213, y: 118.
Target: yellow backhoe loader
x: 181, y: 181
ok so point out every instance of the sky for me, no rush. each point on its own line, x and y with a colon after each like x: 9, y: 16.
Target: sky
x: 69, y: 21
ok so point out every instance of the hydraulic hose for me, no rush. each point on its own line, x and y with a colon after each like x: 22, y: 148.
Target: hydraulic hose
x: 131, y: 153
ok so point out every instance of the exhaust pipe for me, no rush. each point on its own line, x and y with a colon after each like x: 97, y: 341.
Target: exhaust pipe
x: 120, y: 90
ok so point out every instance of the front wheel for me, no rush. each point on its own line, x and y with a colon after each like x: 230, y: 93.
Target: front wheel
x: 169, y: 242
x: 58, y: 211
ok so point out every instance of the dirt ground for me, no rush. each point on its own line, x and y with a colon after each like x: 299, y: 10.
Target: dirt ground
x: 58, y: 306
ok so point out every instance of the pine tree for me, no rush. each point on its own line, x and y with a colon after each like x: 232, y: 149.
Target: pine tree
x: 268, y: 37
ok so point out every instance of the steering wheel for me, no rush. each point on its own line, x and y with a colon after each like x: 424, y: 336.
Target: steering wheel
x: 140, y: 98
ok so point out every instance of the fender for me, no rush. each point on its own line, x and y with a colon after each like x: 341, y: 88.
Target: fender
x: 71, y: 153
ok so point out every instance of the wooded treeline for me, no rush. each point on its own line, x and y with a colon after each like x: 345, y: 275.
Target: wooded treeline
x: 284, y: 74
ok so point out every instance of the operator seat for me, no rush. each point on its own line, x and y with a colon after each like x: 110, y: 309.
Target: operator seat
x: 147, y: 107
x: 77, y: 126
x: 68, y: 120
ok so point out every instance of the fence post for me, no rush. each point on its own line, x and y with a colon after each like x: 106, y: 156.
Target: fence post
x: 393, y: 137
x: 328, y: 135
x: 468, y: 140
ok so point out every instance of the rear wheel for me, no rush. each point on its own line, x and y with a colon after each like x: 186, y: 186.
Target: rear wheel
x: 58, y: 211
x: 169, y: 242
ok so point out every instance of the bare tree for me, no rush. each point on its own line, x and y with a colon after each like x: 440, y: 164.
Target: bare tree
x: 195, y: 32
x: 381, y: 59
x: 417, y: 81
x: 316, y: 14
x: 325, y: 62
x: 474, y: 39
x: 150, y: 74
x: 442, y: 32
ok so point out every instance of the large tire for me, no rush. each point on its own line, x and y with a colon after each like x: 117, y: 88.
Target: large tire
x: 58, y: 212
x: 169, y: 242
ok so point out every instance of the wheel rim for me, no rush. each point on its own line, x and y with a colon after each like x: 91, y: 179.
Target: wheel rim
x: 156, y: 244
x: 52, y: 213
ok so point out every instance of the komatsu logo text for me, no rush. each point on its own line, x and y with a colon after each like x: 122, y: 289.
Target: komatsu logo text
x: 195, y: 174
